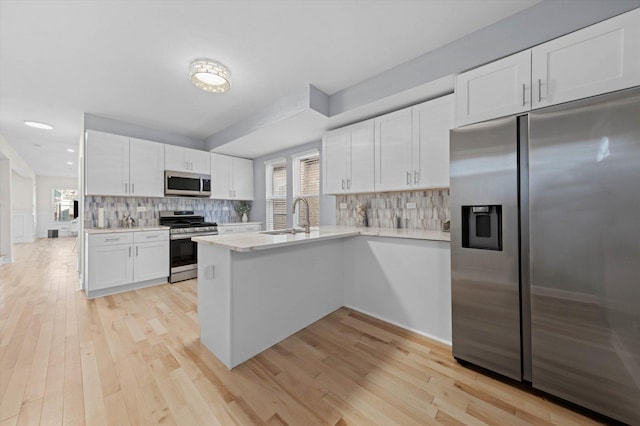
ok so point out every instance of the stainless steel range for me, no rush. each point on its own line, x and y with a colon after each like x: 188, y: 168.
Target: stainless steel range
x: 185, y: 224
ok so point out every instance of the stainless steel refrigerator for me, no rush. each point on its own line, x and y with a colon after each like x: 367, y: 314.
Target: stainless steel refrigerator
x: 545, y: 250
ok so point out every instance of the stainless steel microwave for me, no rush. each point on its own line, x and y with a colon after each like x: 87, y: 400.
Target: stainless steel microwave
x: 186, y: 184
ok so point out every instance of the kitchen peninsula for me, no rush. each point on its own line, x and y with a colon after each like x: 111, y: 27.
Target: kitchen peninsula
x: 255, y: 289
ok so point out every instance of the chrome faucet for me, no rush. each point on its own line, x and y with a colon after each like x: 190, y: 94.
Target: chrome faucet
x: 307, y: 226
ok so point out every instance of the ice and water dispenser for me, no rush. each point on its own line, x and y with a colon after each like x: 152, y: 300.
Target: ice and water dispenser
x: 482, y: 227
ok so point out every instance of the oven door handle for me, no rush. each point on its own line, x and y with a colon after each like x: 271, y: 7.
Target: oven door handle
x: 186, y: 236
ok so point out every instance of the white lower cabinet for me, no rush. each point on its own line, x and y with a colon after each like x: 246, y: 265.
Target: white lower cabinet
x: 151, y: 257
x: 110, y: 265
x: 119, y: 259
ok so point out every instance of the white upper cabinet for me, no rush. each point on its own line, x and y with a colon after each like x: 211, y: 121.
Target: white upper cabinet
x: 220, y: 176
x: 598, y: 59
x: 146, y: 168
x: 348, y: 159
x: 494, y: 90
x: 393, y: 146
x: 107, y: 164
x: 242, y: 178
x: 118, y: 165
x: 336, y: 145
x: 231, y: 177
x: 177, y: 158
x: 361, y: 166
x: 431, y: 124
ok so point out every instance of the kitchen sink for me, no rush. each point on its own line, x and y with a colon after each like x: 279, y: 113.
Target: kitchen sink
x: 283, y: 231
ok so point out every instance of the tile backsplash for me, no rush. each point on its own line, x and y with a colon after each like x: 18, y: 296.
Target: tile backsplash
x: 115, y: 208
x: 432, y: 209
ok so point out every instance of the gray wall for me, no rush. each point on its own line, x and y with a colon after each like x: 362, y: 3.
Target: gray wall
x: 103, y: 124
x: 258, y: 210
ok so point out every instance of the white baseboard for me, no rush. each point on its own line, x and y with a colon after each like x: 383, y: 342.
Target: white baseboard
x: 422, y: 333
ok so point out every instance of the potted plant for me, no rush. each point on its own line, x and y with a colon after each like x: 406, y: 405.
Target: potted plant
x: 242, y: 208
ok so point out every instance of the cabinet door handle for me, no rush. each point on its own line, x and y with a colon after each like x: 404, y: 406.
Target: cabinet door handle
x: 136, y: 251
x: 348, y: 183
x: 416, y: 176
x: 539, y: 90
x: 152, y: 236
x: 133, y: 188
x: 125, y: 188
x: 523, y: 90
x: 342, y: 183
x: 129, y: 251
x: 112, y: 239
x: 408, y: 178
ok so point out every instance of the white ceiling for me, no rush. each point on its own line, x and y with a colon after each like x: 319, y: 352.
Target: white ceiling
x: 128, y: 60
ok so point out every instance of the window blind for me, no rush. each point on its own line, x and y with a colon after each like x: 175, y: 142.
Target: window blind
x: 307, y: 185
x: 276, y: 196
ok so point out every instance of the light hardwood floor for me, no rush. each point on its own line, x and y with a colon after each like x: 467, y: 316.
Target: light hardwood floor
x: 135, y: 359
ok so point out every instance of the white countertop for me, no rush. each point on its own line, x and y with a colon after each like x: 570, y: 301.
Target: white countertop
x: 257, y: 241
x: 113, y: 230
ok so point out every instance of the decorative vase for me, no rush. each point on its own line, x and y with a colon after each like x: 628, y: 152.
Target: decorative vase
x: 244, y: 217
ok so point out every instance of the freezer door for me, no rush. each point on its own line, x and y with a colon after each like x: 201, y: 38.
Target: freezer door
x: 484, y: 271
x: 584, y: 163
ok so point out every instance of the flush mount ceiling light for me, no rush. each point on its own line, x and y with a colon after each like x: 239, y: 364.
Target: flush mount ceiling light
x: 70, y: 150
x: 38, y: 125
x: 210, y: 76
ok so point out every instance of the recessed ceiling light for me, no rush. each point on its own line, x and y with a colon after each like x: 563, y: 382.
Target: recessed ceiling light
x: 70, y: 150
x: 210, y: 76
x: 69, y: 162
x: 38, y: 125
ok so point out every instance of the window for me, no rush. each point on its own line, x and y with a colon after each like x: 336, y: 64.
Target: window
x: 306, y: 183
x: 276, y: 194
x: 65, y: 206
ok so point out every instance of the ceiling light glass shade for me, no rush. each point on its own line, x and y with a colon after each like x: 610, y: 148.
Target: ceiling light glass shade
x: 210, y: 76
x: 38, y: 125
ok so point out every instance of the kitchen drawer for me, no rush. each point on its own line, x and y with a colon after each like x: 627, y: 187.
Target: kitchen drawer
x: 147, y: 236
x: 114, y: 238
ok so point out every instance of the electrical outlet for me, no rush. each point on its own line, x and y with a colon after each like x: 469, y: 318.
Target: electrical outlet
x: 142, y: 209
x: 343, y: 206
x: 411, y: 205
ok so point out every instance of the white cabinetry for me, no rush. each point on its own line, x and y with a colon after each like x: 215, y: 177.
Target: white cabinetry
x: 146, y: 168
x: 393, y: 144
x: 601, y: 58
x: 182, y: 159
x: 500, y: 88
x: 239, y: 228
x: 107, y: 164
x: 598, y: 59
x: 431, y: 124
x: 119, y: 261
x: 412, y: 146
x: 151, y: 257
x: 231, y: 177
x: 118, y: 165
x: 110, y: 262
x: 348, y: 159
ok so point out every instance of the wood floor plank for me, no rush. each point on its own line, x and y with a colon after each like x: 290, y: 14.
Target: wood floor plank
x: 135, y: 358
